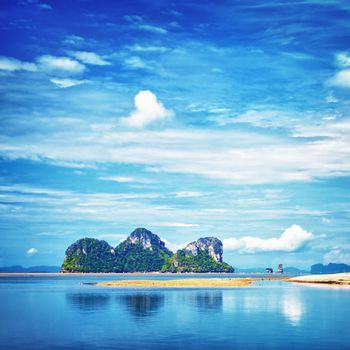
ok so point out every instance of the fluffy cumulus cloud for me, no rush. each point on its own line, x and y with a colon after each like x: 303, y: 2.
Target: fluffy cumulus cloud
x: 12, y: 65
x: 292, y: 239
x: 147, y: 110
x: 337, y: 255
x: 341, y: 79
x: 54, y: 63
x: 32, y: 251
x: 89, y: 58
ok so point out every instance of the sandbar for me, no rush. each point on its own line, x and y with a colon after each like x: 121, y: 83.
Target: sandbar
x: 183, y: 282
x: 336, y: 278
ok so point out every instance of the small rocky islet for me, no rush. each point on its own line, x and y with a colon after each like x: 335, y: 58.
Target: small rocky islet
x: 144, y: 251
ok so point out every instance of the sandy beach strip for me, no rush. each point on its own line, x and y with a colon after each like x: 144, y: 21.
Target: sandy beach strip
x: 336, y: 278
x: 183, y: 282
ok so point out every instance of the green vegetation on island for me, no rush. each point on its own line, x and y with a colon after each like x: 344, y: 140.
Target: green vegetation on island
x: 201, y: 262
x: 144, y: 251
x: 89, y: 255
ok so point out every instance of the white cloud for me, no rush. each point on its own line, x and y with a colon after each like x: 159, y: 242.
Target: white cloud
x: 331, y: 99
x: 174, y: 247
x: 89, y: 58
x: 140, y: 48
x: 337, y: 255
x: 292, y: 239
x: 66, y: 83
x: 343, y: 59
x: 74, y: 40
x: 53, y: 63
x: 135, y: 62
x: 326, y: 221
x: 126, y: 179
x: 341, y: 79
x: 45, y: 6
x: 45, y: 63
x: 188, y: 194
x: 12, y: 65
x: 176, y: 224
x: 133, y: 18
x: 256, y: 117
x: 112, y: 238
x: 32, y: 251
x: 148, y: 110
x: 227, y: 155
x: 152, y: 29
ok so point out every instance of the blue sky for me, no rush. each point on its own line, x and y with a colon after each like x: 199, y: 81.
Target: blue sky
x: 191, y: 119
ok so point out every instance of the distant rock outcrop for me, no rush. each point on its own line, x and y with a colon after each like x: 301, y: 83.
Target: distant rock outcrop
x: 330, y: 268
x: 143, y: 251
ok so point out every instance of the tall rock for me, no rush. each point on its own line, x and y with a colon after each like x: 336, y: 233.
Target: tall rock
x: 142, y: 251
x: 210, y: 244
x: 89, y: 255
x: 203, y: 255
x: 146, y: 239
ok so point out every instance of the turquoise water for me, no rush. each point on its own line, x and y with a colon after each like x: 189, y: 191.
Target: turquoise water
x: 62, y: 313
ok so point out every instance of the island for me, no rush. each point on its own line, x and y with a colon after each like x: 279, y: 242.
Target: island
x: 144, y: 251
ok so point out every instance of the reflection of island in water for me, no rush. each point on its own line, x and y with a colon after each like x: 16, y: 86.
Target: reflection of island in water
x: 207, y: 301
x: 142, y: 305
x: 88, y: 301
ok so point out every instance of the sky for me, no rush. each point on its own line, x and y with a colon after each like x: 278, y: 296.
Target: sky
x: 189, y: 118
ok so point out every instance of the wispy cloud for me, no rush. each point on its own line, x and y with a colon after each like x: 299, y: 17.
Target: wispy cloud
x: 337, y: 255
x: 66, y: 83
x: 89, y: 58
x: 225, y: 155
x: 54, y: 63
x: 343, y: 59
x: 126, y: 179
x: 177, y: 224
x: 135, y: 62
x: 12, y: 65
x: 74, y: 40
x: 148, y: 48
x: 152, y: 29
x: 46, y: 63
x: 44, y: 6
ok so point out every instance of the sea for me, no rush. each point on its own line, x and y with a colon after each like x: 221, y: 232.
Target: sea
x: 61, y: 312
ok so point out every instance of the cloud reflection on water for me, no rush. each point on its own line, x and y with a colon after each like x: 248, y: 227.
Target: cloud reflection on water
x: 292, y: 306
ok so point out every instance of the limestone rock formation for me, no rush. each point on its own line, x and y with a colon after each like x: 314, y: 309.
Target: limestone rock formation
x: 210, y: 244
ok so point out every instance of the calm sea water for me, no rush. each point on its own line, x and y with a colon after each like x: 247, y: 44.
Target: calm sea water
x: 62, y: 313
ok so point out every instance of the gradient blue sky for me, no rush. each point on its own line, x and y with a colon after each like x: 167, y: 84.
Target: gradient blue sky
x: 189, y: 118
